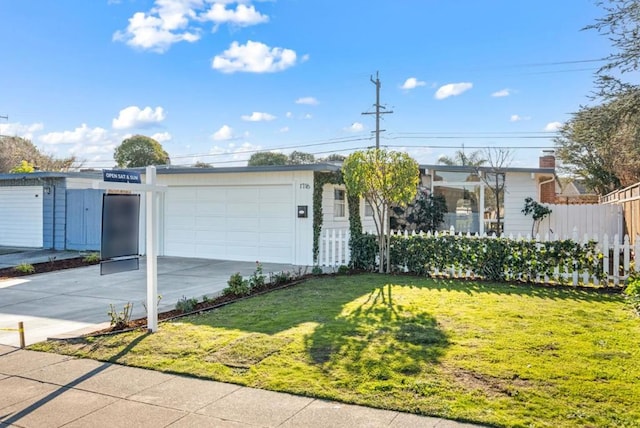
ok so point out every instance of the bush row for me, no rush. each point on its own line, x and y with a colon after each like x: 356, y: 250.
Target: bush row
x: 496, y: 259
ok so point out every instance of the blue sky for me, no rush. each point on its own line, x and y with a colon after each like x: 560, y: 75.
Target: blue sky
x: 214, y: 81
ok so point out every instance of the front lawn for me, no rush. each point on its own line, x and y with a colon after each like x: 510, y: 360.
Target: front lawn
x: 492, y: 354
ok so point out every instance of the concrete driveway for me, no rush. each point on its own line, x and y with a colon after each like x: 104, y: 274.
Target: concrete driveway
x: 67, y: 301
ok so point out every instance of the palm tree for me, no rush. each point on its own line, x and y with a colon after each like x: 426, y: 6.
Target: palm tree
x: 473, y: 159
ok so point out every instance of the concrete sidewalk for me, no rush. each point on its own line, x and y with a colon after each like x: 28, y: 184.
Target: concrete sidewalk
x: 49, y: 390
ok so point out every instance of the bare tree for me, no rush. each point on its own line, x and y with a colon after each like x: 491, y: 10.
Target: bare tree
x: 498, y: 160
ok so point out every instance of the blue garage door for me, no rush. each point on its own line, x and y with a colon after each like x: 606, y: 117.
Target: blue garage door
x: 84, y: 219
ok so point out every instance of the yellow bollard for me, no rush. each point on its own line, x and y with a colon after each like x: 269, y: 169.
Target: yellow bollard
x: 21, y: 333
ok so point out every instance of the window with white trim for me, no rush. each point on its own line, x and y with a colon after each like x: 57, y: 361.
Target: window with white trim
x: 339, y: 203
x: 368, y: 209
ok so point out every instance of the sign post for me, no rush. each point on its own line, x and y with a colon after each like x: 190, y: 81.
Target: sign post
x: 117, y: 181
x: 152, y: 260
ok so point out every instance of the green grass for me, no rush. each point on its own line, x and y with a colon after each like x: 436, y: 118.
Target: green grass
x: 502, y: 355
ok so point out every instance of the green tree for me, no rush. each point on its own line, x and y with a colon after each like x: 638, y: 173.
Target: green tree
x: 267, y: 158
x: 24, y: 167
x: 13, y: 150
x: 201, y: 164
x: 461, y: 158
x: 621, y: 25
x: 334, y: 157
x: 602, y: 143
x: 428, y: 213
x: 138, y: 151
x: 301, y: 158
x: 384, y: 179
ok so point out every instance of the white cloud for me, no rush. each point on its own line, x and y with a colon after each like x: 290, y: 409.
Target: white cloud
x: 257, y: 116
x: 92, y: 145
x: 253, y: 57
x: 132, y: 117
x: 501, y: 93
x: 173, y: 21
x: 222, y: 134
x: 412, y: 83
x: 308, y: 116
x: 242, y: 16
x: 355, y: 127
x: 161, y: 137
x: 553, y: 126
x: 310, y: 101
x: 284, y: 129
x: 165, y: 24
x: 231, y: 155
x: 82, y: 134
x: 289, y: 115
x: 452, y: 89
x: 19, y: 130
x: 518, y: 118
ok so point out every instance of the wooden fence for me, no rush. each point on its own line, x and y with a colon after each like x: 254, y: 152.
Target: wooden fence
x: 629, y: 201
x: 620, y: 257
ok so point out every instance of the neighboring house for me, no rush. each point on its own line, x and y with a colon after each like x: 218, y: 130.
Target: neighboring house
x: 50, y: 210
x: 574, y: 191
x: 470, y: 203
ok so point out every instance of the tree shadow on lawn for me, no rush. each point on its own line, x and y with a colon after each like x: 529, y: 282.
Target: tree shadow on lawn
x: 542, y: 291
x: 376, y: 338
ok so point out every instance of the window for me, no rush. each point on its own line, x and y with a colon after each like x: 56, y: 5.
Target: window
x: 368, y: 209
x: 338, y: 203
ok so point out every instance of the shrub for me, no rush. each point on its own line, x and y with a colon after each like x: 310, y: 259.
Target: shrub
x: 343, y: 270
x: 237, y: 286
x: 92, y: 258
x: 120, y: 320
x: 185, y: 305
x: 144, y: 303
x: 496, y: 259
x: 281, y: 278
x: 25, y: 268
x: 256, y: 280
x: 632, y: 291
x: 317, y: 270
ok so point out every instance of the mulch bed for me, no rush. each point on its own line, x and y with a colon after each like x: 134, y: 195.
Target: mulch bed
x: 51, y: 266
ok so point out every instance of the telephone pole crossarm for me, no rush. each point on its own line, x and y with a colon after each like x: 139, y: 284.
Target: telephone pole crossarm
x: 378, y: 107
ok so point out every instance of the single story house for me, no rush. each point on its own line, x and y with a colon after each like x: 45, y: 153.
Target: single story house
x: 260, y: 213
x: 471, y: 201
x: 50, y: 210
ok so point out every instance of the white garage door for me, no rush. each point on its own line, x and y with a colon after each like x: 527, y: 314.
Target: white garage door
x: 21, y: 216
x: 232, y: 222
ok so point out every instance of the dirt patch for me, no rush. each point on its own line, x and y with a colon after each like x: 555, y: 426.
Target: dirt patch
x: 44, y: 267
x: 489, y: 385
x: 248, y: 350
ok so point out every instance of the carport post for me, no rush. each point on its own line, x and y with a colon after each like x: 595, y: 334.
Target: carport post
x: 152, y: 262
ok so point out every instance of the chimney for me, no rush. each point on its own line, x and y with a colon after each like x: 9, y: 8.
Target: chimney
x: 548, y: 159
x: 547, y: 187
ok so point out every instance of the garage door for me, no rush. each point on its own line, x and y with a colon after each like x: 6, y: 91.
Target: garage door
x: 21, y: 216
x: 233, y: 223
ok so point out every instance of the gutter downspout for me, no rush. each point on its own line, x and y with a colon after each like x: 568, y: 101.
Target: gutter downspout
x: 552, y: 179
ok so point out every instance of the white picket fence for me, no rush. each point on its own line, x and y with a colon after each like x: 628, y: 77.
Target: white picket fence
x: 617, y: 254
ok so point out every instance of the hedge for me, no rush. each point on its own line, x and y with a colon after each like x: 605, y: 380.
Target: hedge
x: 491, y: 258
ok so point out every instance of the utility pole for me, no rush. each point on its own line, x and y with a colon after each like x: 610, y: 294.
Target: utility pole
x: 377, y: 105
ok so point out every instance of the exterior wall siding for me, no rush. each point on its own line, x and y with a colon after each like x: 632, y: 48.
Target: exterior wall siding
x: 329, y: 221
x: 518, y: 186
